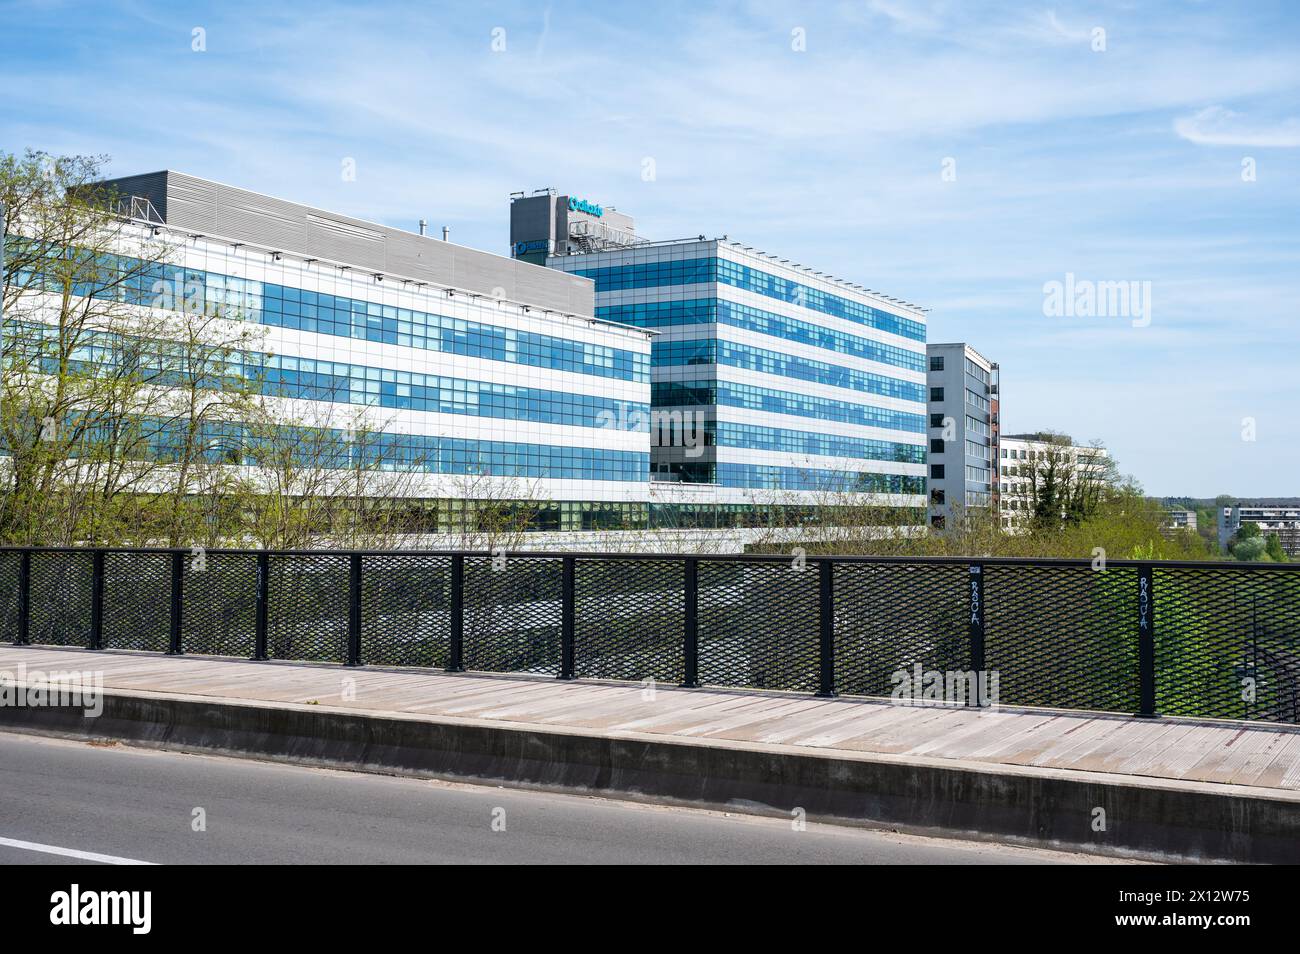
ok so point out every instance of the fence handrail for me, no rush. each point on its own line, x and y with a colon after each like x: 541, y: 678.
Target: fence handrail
x: 673, y: 556
x: 1215, y: 639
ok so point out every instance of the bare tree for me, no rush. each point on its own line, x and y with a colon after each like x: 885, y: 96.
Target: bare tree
x: 490, y: 512
x: 317, y: 476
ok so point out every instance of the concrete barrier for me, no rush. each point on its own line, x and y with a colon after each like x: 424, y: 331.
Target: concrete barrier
x: 1149, y: 818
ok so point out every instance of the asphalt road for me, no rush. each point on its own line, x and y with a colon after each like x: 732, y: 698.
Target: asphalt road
x: 140, y: 805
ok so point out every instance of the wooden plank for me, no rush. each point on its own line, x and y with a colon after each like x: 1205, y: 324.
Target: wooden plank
x: 864, y: 724
x: 733, y: 726
x: 1226, y: 752
x: 515, y: 696
x: 986, y: 728
x: 1222, y: 762
x: 463, y: 687
x: 564, y: 696
x: 829, y: 714
x: 1078, y: 737
x: 909, y: 727
x: 1119, y: 746
x: 667, y: 721
x: 868, y: 731
x: 1254, y: 764
x: 1174, y: 756
x: 1282, y: 766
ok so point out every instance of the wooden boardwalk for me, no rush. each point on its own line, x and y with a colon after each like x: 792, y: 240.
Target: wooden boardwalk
x: 1177, y: 749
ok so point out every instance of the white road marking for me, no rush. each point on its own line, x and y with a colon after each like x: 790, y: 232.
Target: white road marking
x: 71, y: 852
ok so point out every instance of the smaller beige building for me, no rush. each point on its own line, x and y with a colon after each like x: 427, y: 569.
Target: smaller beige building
x: 1018, y: 457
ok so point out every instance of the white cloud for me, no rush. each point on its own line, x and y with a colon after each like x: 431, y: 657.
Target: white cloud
x: 908, y: 16
x: 1068, y: 34
x: 1217, y: 126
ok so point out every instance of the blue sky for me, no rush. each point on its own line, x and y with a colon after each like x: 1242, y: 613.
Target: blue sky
x: 1115, y: 164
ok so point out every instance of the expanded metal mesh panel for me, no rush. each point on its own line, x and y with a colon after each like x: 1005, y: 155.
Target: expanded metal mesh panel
x: 60, y: 597
x: 893, y: 617
x: 513, y: 614
x: 405, y: 610
x: 1227, y: 643
x: 307, y: 608
x: 1227, y: 639
x: 758, y: 625
x: 218, y: 617
x: 10, y: 561
x: 1063, y: 636
x: 137, y: 601
x: 629, y: 617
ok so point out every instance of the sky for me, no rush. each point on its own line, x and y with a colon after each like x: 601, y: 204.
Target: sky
x: 959, y: 155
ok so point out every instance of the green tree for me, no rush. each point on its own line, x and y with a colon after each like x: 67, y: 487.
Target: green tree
x: 1249, y: 549
x: 1068, y: 484
x: 77, y: 385
x: 115, y: 380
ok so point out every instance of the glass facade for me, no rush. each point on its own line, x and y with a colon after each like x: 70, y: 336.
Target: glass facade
x: 232, y: 443
x: 380, y: 387
x: 282, y: 306
x: 640, y: 286
x: 298, y: 371
x: 693, y: 393
x: 316, y: 380
x: 755, y: 437
x: 698, y: 271
x: 721, y: 351
x: 699, y: 311
x: 776, y: 477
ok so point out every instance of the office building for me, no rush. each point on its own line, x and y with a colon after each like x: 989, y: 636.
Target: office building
x: 803, y: 389
x: 605, y: 381
x: 963, y: 407
x: 494, y: 374
x: 1280, y: 519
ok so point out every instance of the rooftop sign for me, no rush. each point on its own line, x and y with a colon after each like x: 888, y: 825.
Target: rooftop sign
x: 582, y: 205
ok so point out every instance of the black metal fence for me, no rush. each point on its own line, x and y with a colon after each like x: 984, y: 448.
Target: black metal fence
x: 1217, y: 640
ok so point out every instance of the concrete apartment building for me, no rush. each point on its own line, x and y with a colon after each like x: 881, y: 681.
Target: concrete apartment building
x: 963, y: 407
x: 807, y: 389
x: 1270, y: 518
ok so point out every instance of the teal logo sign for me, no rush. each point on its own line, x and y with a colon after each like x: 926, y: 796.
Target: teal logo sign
x: 582, y: 205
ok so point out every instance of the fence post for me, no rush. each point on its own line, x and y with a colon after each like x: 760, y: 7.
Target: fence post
x: 975, y: 590
x: 566, y: 619
x: 826, y: 627
x: 456, y: 652
x: 97, y: 599
x: 178, y: 582
x: 691, y: 676
x: 354, y: 609
x: 263, y: 598
x: 24, y: 597
x: 1146, y: 642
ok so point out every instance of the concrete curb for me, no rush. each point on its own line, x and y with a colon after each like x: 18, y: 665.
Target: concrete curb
x: 1147, y: 818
